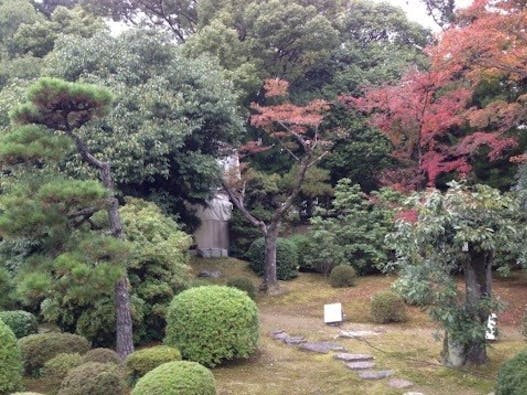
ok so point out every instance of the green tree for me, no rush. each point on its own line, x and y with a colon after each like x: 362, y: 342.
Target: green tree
x: 172, y: 114
x: 65, y: 107
x: 352, y: 231
x: 462, y: 228
x: 296, y: 130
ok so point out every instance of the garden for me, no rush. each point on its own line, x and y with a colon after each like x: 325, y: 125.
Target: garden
x: 188, y: 187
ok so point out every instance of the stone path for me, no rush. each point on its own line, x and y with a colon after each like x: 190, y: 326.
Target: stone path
x: 362, y: 363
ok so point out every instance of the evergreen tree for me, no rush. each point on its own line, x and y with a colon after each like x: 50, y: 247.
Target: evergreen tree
x: 64, y: 108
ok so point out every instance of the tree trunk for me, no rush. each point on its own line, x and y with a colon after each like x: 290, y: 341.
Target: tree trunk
x: 270, y: 281
x: 123, y: 327
x: 477, y: 271
x: 478, y: 281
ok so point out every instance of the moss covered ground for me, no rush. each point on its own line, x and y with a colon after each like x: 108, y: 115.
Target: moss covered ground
x: 409, y: 349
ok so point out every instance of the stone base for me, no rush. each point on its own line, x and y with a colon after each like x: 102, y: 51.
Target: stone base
x: 213, y: 252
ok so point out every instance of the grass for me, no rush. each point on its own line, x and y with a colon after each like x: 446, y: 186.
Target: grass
x: 409, y: 349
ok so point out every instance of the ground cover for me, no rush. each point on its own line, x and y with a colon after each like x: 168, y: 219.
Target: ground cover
x: 408, y: 349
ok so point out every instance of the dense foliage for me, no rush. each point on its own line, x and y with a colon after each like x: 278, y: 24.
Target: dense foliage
x: 286, y: 258
x: 243, y: 284
x: 352, y: 231
x: 464, y: 228
x: 55, y: 369
x: 143, y: 361
x: 40, y: 348
x: 22, y: 323
x: 158, y: 265
x: 342, y: 276
x: 512, y: 376
x: 177, y: 378
x: 197, y: 315
x: 10, y: 361
x: 102, y: 355
x: 93, y: 378
x: 387, y: 307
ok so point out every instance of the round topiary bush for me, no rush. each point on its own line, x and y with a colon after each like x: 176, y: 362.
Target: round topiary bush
x: 22, y: 323
x: 512, y: 376
x: 39, y: 348
x: 93, y: 378
x: 10, y: 361
x: 286, y: 258
x: 387, y: 307
x: 143, y: 361
x: 58, y: 367
x: 244, y: 284
x: 102, y: 355
x: 342, y: 276
x: 177, y: 378
x: 211, y: 324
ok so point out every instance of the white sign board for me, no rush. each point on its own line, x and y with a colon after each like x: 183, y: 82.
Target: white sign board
x: 332, y: 313
x: 491, y: 332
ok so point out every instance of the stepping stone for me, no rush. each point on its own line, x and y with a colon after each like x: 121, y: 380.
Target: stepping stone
x: 357, y: 334
x: 399, y: 383
x: 321, y: 347
x: 333, y: 346
x: 294, y: 340
x: 360, y: 365
x: 207, y: 273
x: 279, y: 335
x: 347, y: 357
x: 375, y: 374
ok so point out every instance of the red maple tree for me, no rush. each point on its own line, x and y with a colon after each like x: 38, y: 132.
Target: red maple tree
x: 295, y: 128
x: 430, y: 116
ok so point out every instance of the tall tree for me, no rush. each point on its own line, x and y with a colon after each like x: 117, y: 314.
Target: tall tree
x: 462, y: 228
x: 66, y: 107
x: 296, y: 130
x: 472, y: 95
x: 422, y: 115
x: 172, y: 114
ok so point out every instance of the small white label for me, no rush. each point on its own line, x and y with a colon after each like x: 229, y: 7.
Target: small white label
x: 465, y: 247
x: 332, y: 313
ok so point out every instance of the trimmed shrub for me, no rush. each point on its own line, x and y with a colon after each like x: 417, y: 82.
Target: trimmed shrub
x: 286, y: 258
x: 387, y: 307
x: 94, y: 378
x: 303, y: 245
x: 212, y: 324
x: 512, y: 376
x: 10, y: 361
x: 177, y: 378
x: 58, y: 367
x: 342, y: 276
x: 102, y: 355
x: 22, y: 323
x: 244, y: 284
x: 143, y: 361
x: 40, y: 348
